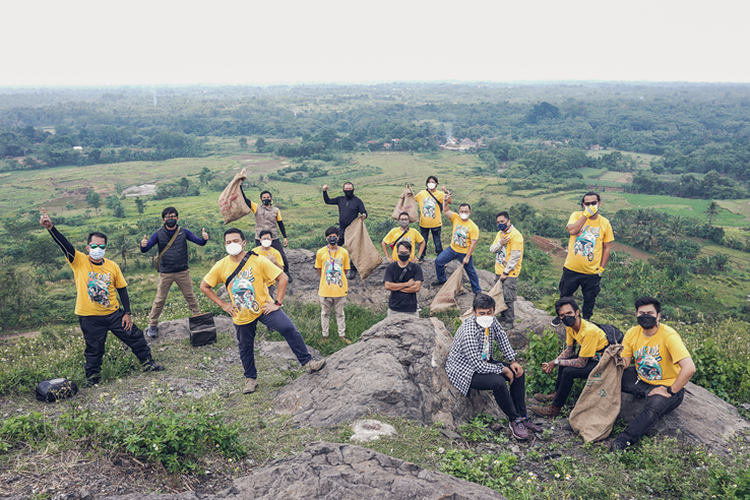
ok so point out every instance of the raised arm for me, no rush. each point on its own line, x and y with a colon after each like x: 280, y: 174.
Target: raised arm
x: 68, y: 250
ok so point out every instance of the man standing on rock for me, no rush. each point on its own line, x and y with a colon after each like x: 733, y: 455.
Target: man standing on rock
x: 508, y: 245
x: 431, y: 206
x: 245, y: 275
x: 332, y: 262
x: 173, y: 265
x: 663, y: 367
x: 350, y: 207
x: 97, y: 308
x: 593, y: 342
x: 590, y: 243
x: 404, y: 280
x: 402, y: 233
x: 470, y: 365
x: 463, y: 243
x: 267, y: 218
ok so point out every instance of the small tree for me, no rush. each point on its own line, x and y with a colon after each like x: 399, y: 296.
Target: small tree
x: 140, y: 205
x: 711, y: 211
x: 243, y: 142
x: 94, y: 200
x: 184, y: 184
x: 119, y: 187
x: 206, y: 175
x: 260, y: 145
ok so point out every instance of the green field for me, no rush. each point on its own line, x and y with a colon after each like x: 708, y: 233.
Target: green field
x: 685, y: 207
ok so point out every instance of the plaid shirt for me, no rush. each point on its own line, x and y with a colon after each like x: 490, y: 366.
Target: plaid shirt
x: 465, y: 358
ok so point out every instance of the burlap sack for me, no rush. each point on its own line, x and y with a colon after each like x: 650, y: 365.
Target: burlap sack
x: 597, y: 408
x: 446, y: 297
x: 496, y: 292
x: 231, y: 202
x: 361, y: 250
x: 407, y: 203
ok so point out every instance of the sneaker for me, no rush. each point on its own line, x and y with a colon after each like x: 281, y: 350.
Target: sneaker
x: 518, y: 428
x: 151, y: 366
x: 313, y: 366
x: 351, y: 274
x: 91, y: 382
x: 546, y: 411
x: 420, y: 260
x: 250, y: 385
x: 153, y: 331
x: 346, y: 340
x: 556, y: 321
x: 532, y: 426
x: 325, y: 339
x: 507, y: 325
x: 619, y: 446
x: 437, y: 283
x: 545, y: 397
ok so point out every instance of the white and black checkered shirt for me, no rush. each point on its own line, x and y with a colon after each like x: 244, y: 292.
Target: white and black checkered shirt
x: 465, y: 358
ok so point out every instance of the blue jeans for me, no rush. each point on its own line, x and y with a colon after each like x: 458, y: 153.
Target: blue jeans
x: 279, y: 322
x: 449, y: 255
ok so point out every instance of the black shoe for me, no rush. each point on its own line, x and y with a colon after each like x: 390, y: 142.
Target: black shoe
x: 420, y: 260
x: 91, y: 382
x: 151, y: 366
x: 351, y: 274
x: 619, y: 446
x: 556, y: 321
x: 437, y: 283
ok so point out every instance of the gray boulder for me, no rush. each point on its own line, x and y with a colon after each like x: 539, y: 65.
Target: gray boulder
x: 178, y: 329
x: 397, y: 368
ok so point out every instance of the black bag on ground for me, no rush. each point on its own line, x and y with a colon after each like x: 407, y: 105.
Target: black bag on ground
x: 614, y: 335
x: 55, y: 389
x: 202, y: 329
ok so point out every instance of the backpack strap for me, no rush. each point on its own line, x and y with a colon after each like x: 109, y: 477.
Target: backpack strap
x: 161, y: 254
x: 239, y: 268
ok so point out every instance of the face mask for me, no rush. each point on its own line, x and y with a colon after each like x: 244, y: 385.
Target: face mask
x: 348, y: 194
x: 170, y: 223
x: 403, y: 223
x: 234, y: 248
x: 485, y: 321
x: 647, y: 321
x: 464, y: 216
x: 266, y: 202
x: 332, y: 240
x: 431, y: 185
x: 569, y: 321
x: 403, y: 257
x: 97, y: 253
x: 265, y: 243
x: 502, y: 227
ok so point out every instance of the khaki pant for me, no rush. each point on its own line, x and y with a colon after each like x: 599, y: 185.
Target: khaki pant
x: 337, y: 303
x: 185, y: 282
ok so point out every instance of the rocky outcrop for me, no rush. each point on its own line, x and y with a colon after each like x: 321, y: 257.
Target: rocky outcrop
x: 397, y: 368
x: 178, y: 329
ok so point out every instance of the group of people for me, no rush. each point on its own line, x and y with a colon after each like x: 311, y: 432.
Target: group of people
x: 662, y: 364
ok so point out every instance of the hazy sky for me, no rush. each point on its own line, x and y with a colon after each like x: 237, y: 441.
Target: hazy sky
x: 281, y: 41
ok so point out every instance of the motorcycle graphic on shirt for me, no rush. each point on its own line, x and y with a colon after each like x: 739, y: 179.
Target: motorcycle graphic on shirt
x: 243, y: 291
x: 334, y: 272
x: 647, y: 363
x: 98, y: 288
x: 429, y: 208
x: 502, y: 256
x: 585, y: 244
x: 461, y: 236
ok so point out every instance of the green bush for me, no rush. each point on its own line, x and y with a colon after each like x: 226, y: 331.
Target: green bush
x: 542, y: 348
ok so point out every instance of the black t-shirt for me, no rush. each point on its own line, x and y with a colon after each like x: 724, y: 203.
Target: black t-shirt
x: 400, y: 301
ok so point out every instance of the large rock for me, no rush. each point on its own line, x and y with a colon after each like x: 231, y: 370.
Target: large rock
x: 179, y: 329
x: 702, y: 418
x: 342, y: 472
x: 397, y: 368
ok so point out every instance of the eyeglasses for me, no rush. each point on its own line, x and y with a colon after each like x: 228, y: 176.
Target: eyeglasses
x: 170, y: 218
x: 590, y: 203
x: 103, y: 246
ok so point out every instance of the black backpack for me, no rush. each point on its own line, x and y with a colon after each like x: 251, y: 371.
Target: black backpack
x: 55, y: 389
x: 614, y: 335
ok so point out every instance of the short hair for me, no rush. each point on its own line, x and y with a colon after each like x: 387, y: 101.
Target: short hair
x: 565, y: 300
x: 350, y: 183
x: 464, y: 205
x: 98, y: 235
x: 405, y: 244
x: 433, y: 178
x: 167, y: 211
x: 332, y: 230
x: 265, y: 232
x: 406, y: 214
x: 645, y: 301
x: 503, y: 213
x: 591, y: 193
x: 234, y: 230
x: 483, y: 301
x: 266, y: 192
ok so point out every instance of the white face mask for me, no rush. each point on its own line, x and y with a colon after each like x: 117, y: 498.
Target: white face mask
x: 464, y: 216
x: 265, y: 243
x: 431, y: 185
x: 97, y: 253
x: 485, y: 321
x: 234, y: 248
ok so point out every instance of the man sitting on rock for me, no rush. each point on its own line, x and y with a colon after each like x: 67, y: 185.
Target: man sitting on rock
x: 663, y: 367
x: 404, y: 280
x: 592, y: 340
x: 470, y: 365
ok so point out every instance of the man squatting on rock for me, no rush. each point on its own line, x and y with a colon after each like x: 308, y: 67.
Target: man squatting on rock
x: 350, y: 207
x: 97, y: 308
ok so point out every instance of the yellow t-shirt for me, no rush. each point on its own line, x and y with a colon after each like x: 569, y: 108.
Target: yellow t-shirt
x: 515, y: 242
x: 267, y: 253
x: 585, y: 248
x: 591, y: 337
x: 430, y: 214
x: 333, y: 278
x: 412, y: 236
x: 248, y: 289
x: 655, y: 357
x: 463, y: 233
x: 96, y: 285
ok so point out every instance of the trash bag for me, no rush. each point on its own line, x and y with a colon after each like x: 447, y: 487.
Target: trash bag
x: 363, y: 253
x: 496, y: 292
x: 446, y: 297
x: 407, y: 203
x: 53, y: 390
x: 202, y: 329
x: 231, y: 202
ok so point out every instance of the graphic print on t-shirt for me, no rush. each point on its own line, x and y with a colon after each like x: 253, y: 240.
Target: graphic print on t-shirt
x: 502, y: 256
x: 428, y: 208
x: 333, y: 270
x: 647, y: 363
x: 98, y: 288
x: 460, y: 236
x: 243, y: 291
x: 586, y: 242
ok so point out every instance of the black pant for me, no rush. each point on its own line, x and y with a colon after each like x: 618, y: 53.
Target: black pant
x: 95, y: 330
x: 589, y: 283
x: 566, y: 376
x: 342, y: 231
x: 656, y: 406
x: 435, y: 238
x: 512, y: 403
x: 278, y: 246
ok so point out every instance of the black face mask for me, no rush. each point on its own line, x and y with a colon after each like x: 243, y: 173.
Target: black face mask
x: 349, y: 194
x: 266, y: 202
x: 332, y: 240
x: 647, y: 321
x: 403, y: 257
x: 569, y: 321
x: 170, y: 223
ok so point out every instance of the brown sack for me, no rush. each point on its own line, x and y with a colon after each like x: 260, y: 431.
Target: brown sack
x: 361, y: 250
x: 446, y: 297
x: 496, y: 292
x: 597, y: 408
x: 231, y: 202
x: 407, y: 203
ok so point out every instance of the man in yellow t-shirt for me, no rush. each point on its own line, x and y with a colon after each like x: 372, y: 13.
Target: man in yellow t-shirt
x: 332, y: 262
x: 590, y: 243
x: 266, y: 250
x: 97, y: 308
x: 402, y: 233
x: 245, y: 275
x: 663, y: 367
x: 592, y: 340
x: 432, y: 203
x: 463, y: 242
x: 508, y: 245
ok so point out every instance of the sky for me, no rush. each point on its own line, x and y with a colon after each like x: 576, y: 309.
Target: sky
x: 102, y: 42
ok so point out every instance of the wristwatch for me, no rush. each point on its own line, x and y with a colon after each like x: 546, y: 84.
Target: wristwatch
x: 278, y: 303
x: 557, y: 361
x: 669, y: 390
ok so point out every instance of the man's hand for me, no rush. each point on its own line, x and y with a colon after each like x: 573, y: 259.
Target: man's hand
x: 504, y: 240
x: 503, y: 277
x: 45, y: 221
x: 660, y: 391
x: 205, y: 234
x: 390, y: 259
x: 466, y: 260
x: 286, y: 242
x: 127, y: 322
x: 517, y: 368
x: 509, y: 373
x: 548, y: 367
x: 144, y: 241
x: 325, y: 187
x: 364, y: 216
x: 272, y: 258
x: 230, y: 309
x: 269, y: 307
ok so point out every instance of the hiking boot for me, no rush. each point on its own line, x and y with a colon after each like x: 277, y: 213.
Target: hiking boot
x: 556, y: 321
x: 325, y: 339
x: 507, y: 325
x: 151, y: 366
x: 91, y: 382
x: 546, y: 411
x: 545, y: 397
x: 437, y: 283
x: 532, y: 426
x: 250, y: 385
x: 153, y: 331
x: 313, y: 366
x: 345, y: 340
x: 420, y: 260
x: 351, y: 274
x: 619, y: 446
x: 518, y: 427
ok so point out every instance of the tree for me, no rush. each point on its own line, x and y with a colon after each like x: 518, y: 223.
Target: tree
x: 94, y: 200
x: 119, y: 187
x: 243, y: 142
x: 206, y: 175
x: 260, y: 145
x: 140, y: 205
x: 123, y: 246
x: 711, y: 211
x: 184, y: 184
